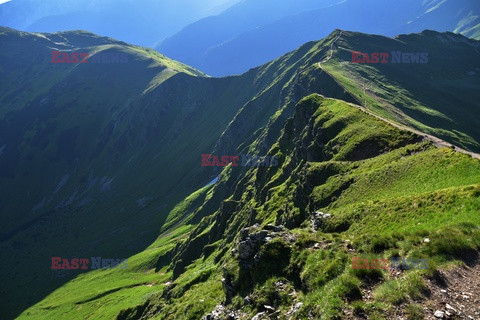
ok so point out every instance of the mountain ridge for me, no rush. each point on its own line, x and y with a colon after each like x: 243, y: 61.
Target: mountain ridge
x: 125, y: 186
x: 266, y: 41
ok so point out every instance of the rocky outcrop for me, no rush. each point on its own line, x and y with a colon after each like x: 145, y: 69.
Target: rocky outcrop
x: 228, y: 286
x: 221, y: 313
x: 318, y: 219
x: 252, y: 238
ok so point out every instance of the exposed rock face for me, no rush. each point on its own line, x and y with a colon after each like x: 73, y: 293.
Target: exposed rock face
x: 271, y: 227
x: 228, y: 287
x: 259, y: 316
x: 439, y: 314
x: 215, y: 314
x: 252, y: 239
x: 250, y: 243
x: 221, y: 313
x: 318, y: 219
x: 293, y: 310
x: 248, y: 247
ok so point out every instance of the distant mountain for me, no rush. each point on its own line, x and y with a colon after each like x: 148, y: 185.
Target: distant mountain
x: 228, y: 44
x: 144, y: 22
x: 98, y: 159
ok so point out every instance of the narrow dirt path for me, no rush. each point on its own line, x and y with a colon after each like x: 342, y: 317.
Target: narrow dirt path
x: 330, y: 53
x: 455, y: 294
x: 437, y: 141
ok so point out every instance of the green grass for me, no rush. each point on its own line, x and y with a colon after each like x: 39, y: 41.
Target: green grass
x: 438, y: 98
x: 101, y: 294
x: 330, y: 300
x: 392, y: 197
x: 385, y: 188
x: 396, y: 291
x: 401, y: 192
x: 141, y: 124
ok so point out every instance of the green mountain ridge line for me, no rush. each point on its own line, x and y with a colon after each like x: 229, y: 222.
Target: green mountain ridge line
x: 200, y: 276
x: 389, y: 152
x: 438, y: 142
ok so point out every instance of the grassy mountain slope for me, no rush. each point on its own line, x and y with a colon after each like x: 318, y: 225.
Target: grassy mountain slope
x: 115, y: 147
x: 149, y: 130
x: 82, y: 127
x: 440, y: 97
x: 386, y: 190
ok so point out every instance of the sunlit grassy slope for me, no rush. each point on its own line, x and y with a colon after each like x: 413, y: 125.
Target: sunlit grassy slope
x: 440, y: 97
x: 117, y: 147
x: 387, y: 191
